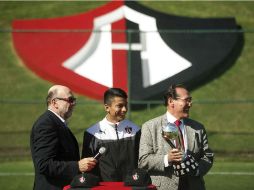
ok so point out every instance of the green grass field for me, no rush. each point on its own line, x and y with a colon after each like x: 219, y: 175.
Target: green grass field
x: 224, y: 105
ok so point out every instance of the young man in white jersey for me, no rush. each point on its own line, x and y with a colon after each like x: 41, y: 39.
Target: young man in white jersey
x: 118, y: 135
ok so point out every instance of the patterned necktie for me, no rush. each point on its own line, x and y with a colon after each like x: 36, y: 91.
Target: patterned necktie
x: 178, y: 123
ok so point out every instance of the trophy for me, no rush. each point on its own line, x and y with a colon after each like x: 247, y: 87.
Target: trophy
x: 171, y: 132
x: 188, y: 165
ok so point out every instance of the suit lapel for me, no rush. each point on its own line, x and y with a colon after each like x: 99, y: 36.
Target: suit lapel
x: 71, y: 137
x: 166, y: 145
x: 190, y: 137
x: 65, y: 132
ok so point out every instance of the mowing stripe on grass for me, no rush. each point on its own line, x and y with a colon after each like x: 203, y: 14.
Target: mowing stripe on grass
x: 210, y: 173
x: 231, y: 173
x: 16, y: 173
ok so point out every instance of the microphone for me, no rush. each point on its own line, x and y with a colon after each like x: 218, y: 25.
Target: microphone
x: 102, y: 150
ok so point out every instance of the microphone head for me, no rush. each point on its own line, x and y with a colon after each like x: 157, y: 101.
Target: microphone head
x: 102, y: 150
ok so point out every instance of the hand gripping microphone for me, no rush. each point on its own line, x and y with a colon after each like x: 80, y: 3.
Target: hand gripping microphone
x: 102, y: 150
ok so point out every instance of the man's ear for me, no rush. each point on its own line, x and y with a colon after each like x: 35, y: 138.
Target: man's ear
x: 54, y: 103
x: 106, y: 107
x: 171, y: 102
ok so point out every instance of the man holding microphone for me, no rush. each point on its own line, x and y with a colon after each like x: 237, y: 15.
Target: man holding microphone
x: 54, y: 148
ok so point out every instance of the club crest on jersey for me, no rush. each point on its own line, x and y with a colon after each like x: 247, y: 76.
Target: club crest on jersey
x: 125, y: 44
x: 128, y: 130
x: 102, y: 131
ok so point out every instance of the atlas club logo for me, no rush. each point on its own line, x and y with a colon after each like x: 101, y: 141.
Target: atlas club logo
x: 126, y: 45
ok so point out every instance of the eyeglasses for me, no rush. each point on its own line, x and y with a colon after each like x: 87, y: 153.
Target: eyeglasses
x: 70, y: 100
x: 187, y: 100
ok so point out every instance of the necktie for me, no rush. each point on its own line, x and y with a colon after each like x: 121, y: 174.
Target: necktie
x: 178, y: 123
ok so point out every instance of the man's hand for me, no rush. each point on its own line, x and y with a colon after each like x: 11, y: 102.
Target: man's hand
x: 87, y: 164
x: 175, y: 155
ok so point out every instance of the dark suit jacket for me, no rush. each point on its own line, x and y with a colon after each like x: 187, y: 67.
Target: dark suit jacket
x: 153, y: 148
x: 55, y: 153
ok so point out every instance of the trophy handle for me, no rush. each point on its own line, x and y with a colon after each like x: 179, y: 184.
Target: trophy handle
x: 171, y: 144
x: 169, y: 141
x: 180, y: 142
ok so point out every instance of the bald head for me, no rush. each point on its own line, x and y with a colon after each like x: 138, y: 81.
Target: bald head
x: 56, y: 91
x: 61, y: 101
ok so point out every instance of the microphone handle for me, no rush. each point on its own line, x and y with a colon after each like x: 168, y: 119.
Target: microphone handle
x: 97, y: 156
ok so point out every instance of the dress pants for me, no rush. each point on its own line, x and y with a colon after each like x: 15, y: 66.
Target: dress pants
x: 183, y: 183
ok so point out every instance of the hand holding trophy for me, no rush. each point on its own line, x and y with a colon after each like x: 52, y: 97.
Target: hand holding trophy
x: 188, y: 165
x: 171, y: 133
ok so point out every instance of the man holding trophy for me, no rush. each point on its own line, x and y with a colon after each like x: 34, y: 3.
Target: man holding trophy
x: 174, y: 148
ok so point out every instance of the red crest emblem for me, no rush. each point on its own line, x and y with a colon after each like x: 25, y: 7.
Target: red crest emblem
x: 124, y: 44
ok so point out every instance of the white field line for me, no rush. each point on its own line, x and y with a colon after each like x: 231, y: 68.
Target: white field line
x: 210, y: 173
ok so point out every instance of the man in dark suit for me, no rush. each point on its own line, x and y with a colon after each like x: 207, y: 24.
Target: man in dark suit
x: 166, y: 164
x: 54, y: 148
